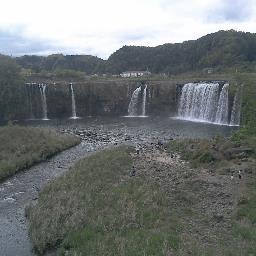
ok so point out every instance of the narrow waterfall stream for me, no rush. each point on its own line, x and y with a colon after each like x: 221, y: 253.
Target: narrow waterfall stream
x: 133, y: 105
x: 144, y: 100
x: 42, y: 88
x: 223, y: 108
x: 137, y: 105
x: 74, y: 115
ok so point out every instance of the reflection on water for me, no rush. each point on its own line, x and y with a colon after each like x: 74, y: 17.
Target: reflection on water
x: 151, y: 127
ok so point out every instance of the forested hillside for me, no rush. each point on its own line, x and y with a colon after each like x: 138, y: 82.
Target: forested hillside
x: 57, y: 62
x: 223, y: 49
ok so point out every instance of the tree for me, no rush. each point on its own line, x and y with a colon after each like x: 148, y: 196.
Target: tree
x: 12, y: 103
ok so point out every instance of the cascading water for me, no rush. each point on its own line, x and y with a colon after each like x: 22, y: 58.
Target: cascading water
x: 222, y: 110
x: 137, y: 105
x: 198, y: 102
x: 74, y: 116
x: 42, y: 88
x: 144, y: 101
x: 206, y: 102
x: 134, y: 102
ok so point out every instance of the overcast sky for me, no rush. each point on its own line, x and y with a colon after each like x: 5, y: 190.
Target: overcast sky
x: 100, y: 27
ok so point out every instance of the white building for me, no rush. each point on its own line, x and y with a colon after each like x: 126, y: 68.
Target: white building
x: 135, y: 73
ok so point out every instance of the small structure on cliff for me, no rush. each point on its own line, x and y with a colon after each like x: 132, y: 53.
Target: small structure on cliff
x: 135, y: 73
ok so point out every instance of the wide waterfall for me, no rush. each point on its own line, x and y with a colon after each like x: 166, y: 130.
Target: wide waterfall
x: 199, y: 102
x: 137, y: 105
x: 205, y: 102
x: 42, y: 88
x: 74, y: 116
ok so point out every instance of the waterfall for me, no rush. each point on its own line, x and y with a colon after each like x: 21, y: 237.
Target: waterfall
x: 74, y: 116
x: 207, y: 102
x: 222, y: 110
x: 137, y: 105
x: 134, y: 102
x: 236, y: 108
x: 198, y: 102
x: 42, y: 88
x: 144, y: 99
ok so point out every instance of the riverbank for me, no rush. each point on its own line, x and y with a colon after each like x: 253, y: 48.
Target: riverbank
x: 96, y: 133
x: 162, y: 206
x: 22, y: 147
x: 109, y: 210
x: 23, y: 188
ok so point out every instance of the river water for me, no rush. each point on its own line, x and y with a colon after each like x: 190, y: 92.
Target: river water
x: 19, y: 191
x: 139, y: 129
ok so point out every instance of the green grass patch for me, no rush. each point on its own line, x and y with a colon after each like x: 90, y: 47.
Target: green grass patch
x: 98, y: 209
x: 21, y: 147
x: 216, y: 151
x: 197, y: 151
x: 244, y: 223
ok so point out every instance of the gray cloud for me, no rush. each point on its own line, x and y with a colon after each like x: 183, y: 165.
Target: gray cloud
x: 13, y: 43
x: 231, y: 11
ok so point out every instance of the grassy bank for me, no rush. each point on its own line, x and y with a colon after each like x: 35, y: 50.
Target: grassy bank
x: 21, y: 147
x: 216, y: 152
x: 244, y: 222
x: 99, y: 209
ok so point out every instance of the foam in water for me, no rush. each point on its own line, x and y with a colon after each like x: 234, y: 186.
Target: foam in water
x: 42, y: 88
x: 74, y: 116
x: 137, y: 105
x: 206, y: 102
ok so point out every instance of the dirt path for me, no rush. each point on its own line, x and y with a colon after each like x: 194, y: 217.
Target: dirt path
x: 22, y: 189
x: 205, y: 199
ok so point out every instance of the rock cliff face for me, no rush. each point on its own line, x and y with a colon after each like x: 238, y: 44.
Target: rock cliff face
x: 99, y: 97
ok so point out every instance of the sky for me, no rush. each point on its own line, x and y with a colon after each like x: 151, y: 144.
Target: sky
x: 99, y: 27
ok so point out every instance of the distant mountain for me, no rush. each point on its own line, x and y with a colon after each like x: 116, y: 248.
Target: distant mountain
x: 223, y: 48
x: 85, y: 63
x: 216, y: 50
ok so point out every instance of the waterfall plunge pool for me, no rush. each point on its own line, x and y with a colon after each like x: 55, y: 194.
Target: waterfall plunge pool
x: 118, y: 129
x: 196, y: 120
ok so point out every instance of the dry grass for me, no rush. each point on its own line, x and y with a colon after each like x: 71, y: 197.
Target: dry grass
x: 21, y: 147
